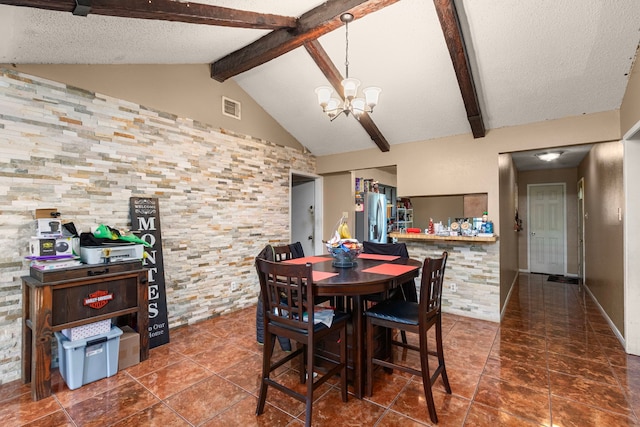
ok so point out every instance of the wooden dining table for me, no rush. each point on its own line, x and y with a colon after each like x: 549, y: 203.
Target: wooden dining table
x: 371, y: 274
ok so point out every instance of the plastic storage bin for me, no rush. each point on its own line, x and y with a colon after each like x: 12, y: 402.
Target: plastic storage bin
x: 86, y: 360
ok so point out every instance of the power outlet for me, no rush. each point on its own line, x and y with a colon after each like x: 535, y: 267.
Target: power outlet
x: 453, y: 287
x: 234, y: 286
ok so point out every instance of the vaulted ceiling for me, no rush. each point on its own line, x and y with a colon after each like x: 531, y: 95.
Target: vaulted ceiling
x: 446, y: 67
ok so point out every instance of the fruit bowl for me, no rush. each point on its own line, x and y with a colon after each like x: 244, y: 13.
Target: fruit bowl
x: 345, y: 253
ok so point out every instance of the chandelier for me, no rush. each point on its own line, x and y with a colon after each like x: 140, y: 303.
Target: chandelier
x: 351, y: 104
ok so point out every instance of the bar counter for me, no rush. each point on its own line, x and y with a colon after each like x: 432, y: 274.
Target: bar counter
x: 472, y: 277
x: 422, y: 236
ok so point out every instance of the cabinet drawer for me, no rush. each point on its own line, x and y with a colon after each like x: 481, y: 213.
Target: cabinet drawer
x: 84, y: 271
x: 94, y: 299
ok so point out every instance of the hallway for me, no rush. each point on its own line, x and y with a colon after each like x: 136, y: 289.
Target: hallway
x: 552, y: 361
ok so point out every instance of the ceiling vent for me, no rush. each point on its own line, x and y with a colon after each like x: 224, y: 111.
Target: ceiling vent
x: 231, y: 108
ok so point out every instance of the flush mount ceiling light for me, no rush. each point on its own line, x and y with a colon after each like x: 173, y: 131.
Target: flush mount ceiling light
x: 549, y: 156
x: 333, y: 107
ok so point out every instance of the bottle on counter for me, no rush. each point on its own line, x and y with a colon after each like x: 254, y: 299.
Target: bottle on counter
x: 485, y: 217
x: 431, y: 229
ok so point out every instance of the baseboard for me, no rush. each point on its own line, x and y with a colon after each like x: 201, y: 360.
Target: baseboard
x: 615, y: 330
x: 506, y: 301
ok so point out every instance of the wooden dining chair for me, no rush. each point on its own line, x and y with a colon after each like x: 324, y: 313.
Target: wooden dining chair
x: 417, y: 318
x: 276, y: 253
x: 406, y: 291
x: 286, y: 290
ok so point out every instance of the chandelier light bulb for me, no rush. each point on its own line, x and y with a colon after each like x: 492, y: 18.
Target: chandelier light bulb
x: 358, y: 106
x: 324, y: 94
x: 350, y: 87
x: 371, y: 95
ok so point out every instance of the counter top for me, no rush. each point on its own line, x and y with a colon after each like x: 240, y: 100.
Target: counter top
x: 422, y: 236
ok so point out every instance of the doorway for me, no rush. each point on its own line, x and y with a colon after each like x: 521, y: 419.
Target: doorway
x: 306, y: 211
x: 547, y: 230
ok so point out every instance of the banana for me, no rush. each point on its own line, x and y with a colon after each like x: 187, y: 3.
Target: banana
x: 343, y: 230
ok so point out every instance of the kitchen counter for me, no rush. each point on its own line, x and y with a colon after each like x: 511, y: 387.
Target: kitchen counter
x: 422, y: 236
x: 472, y: 278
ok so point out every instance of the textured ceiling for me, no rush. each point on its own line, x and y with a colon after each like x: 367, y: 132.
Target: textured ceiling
x: 531, y: 61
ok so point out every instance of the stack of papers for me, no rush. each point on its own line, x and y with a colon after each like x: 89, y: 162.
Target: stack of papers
x: 321, y: 315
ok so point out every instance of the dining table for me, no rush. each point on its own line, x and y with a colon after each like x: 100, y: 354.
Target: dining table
x: 370, y: 274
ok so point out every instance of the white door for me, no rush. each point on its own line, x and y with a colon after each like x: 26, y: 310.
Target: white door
x: 303, y: 215
x: 546, y: 228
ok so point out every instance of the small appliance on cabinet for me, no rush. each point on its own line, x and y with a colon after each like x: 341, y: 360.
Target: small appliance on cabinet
x: 371, y: 222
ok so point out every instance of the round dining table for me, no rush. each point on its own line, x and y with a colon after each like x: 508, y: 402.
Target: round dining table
x: 371, y: 274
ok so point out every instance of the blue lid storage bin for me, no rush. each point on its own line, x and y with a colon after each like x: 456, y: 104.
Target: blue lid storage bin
x: 88, y: 359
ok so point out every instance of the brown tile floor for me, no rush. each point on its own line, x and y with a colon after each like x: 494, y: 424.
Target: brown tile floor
x: 552, y: 361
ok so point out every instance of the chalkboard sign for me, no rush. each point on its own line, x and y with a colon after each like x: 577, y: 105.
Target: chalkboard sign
x: 145, y: 222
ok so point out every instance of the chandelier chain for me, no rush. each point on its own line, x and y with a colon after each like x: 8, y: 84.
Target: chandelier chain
x: 346, y: 57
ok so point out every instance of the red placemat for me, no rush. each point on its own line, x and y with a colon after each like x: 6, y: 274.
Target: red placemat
x: 379, y: 257
x: 390, y: 269
x: 321, y: 275
x: 306, y: 259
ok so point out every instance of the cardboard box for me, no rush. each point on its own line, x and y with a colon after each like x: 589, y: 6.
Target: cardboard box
x: 87, y: 331
x: 52, y: 247
x: 42, y: 247
x: 129, y: 353
x: 48, y: 227
x: 87, y: 360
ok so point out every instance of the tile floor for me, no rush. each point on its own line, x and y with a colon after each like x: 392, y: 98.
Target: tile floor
x: 552, y: 361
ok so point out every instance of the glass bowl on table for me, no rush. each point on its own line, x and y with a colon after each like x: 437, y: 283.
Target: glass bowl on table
x: 345, y: 252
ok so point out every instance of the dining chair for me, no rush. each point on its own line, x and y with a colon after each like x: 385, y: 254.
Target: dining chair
x: 276, y: 253
x: 287, y: 252
x: 407, y: 291
x: 286, y: 290
x: 417, y: 318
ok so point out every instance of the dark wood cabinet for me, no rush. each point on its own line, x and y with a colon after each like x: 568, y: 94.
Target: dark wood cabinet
x: 61, y: 299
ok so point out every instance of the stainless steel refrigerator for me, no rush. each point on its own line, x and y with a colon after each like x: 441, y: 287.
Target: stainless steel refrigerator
x: 371, y: 223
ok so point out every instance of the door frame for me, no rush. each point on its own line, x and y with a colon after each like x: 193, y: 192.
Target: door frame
x: 582, y: 269
x: 318, y: 206
x: 631, y: 143
x: 564, y: 219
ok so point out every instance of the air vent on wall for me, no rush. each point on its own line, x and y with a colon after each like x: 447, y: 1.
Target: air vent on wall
x: 231, y: 108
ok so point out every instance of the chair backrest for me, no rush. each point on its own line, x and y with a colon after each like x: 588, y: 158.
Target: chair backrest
x: 285, y: 292
x: 397, y: 249
x: 431, y: 284
x: 282, y: 252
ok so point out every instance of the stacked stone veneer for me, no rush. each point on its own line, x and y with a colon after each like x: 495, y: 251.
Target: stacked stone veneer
x: 222, y: 197
x: 474, y: 269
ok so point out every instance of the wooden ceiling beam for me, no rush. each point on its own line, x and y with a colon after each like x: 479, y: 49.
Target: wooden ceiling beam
x: 450, y: 23
x: 167, y: 10
x: 332, y: 74
x: 311, y: 25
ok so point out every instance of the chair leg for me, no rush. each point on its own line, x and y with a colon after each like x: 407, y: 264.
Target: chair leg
x: 267, y: 352
x: 440, y: 352
x: 369, y: 360
x: 302, y: 367
x: 309, y: 371
x: 426, y: 378
x: 344, y: 361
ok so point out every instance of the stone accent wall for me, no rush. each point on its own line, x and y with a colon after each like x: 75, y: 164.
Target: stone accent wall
x: 474, y: 269
x: 222, y: 196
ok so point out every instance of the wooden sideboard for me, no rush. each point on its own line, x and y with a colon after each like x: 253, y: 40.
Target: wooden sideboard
x: 60, y: 299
